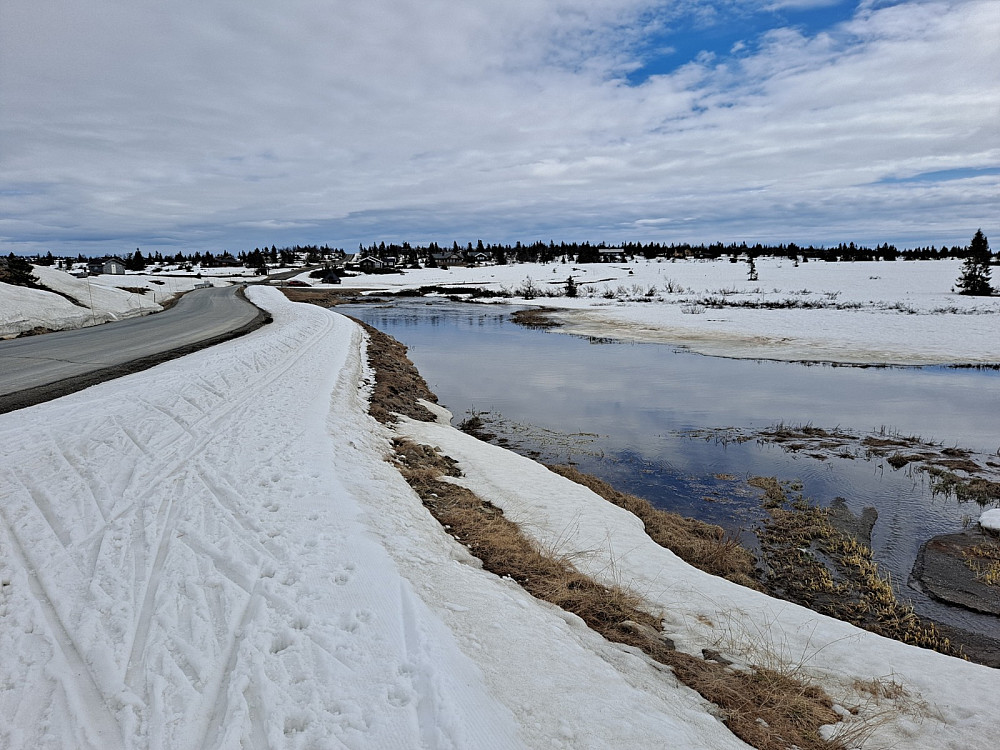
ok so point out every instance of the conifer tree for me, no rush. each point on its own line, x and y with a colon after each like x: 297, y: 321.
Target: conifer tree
x: 975, y: 277
x: 17, y: 271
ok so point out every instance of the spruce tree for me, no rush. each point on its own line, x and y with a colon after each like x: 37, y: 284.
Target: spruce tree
x: 975, y: 277
x: 17, y: 271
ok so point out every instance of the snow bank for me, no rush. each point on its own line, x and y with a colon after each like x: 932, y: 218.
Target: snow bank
x: 213, y: 553
x: 990, y: 520
x: 948, y: 703
x: 98, y: 300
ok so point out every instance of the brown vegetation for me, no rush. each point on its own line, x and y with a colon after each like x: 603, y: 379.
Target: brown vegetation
x: 325, y: 297
x: 398, y: 385
x: 766, y: 707
x: 703, y: 545
x: 811, y: 562
x: 535, y: 317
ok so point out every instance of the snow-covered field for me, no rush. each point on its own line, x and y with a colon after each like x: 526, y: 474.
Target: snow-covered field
x: 213, y: 553
x: 901, y: 312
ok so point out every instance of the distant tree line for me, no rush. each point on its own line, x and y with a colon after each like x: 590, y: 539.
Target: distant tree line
x: 586, y: 252
x: 407, y: 255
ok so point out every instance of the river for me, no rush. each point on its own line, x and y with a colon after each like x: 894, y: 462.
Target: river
x: 635, y: 414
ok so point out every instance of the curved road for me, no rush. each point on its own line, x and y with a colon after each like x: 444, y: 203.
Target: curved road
x: 36, y: 368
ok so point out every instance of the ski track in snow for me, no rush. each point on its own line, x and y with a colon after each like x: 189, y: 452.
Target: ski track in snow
x: 181, y: 570
x: 213, y: 553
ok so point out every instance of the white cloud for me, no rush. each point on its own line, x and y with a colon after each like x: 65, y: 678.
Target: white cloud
x: 800, y: 4
x: 221, y: 124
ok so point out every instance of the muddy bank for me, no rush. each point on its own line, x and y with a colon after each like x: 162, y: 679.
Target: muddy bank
x: 942, y: 570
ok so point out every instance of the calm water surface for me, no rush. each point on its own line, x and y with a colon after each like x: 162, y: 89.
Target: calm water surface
x: 624, y: 412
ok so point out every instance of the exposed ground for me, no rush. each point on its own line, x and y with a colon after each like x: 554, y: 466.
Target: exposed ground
x: 961, y: 569
x: 327, y: 297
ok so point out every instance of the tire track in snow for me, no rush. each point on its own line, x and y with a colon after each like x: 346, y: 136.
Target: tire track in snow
x: 226, y: 499
x: 41, y: 501
x: 426, y: 710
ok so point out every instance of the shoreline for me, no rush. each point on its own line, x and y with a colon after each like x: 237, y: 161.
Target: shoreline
x: 591, y: 325
x: 978, y: 647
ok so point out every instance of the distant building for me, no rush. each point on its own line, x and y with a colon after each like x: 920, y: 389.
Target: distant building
x: 448, y: 258
x: 475, y: 257
x: 370, y: 263
x: 113, y: 266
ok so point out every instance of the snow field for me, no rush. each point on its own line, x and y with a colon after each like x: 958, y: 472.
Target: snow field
x: 188, y: 571
x: 23, y: 308
x: 214, y: 553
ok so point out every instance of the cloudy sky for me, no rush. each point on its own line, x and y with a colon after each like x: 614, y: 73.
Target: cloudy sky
x: 227, y: 124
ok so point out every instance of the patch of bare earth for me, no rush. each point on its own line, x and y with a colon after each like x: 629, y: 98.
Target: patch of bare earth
x: 326, y: 297
x: 535, y: 317
x: 766, y: 707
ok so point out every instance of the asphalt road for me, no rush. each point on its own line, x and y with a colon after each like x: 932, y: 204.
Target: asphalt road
x: 78, y: 358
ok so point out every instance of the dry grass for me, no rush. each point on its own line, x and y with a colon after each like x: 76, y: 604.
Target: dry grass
x: 701, y: 544
x: 972, y: 489
x: 324, y: 297
x: 804, y: 553
x: 768, y: 708
x: 398, y: 385
x: 535, y: 317
x: 984, y: 561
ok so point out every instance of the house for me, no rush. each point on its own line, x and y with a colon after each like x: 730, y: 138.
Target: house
x: 113, y: 266
x: 448, y: 258
x: 611, y: 256
x: 370, y: 264
x: 476, y: 257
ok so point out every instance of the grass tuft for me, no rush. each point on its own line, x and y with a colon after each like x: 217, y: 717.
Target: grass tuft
x: 703, y: 545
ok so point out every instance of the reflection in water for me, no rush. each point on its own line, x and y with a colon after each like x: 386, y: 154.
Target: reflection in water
x: 639, y: 400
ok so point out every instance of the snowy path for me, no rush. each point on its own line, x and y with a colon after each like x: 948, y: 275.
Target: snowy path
x: 176, y: 561
x: 212, y: 553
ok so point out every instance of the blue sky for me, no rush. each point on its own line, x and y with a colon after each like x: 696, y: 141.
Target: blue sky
x: 212, y: 125
x: 734, y: 33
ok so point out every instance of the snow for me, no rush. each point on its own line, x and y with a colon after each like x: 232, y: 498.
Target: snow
x: 214, y: 553
x: 899, y: 312
x: 990, y: 520
x: 98, y: 300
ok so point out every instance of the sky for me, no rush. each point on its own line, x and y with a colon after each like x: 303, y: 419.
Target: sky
x: 225, y: 125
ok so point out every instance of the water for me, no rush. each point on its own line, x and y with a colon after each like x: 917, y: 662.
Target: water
x: 624, y: 412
